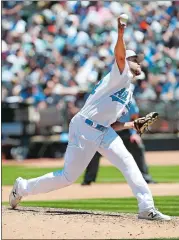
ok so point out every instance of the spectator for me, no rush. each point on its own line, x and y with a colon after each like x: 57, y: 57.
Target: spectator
x: 143, y: 90
x: 58, y: 41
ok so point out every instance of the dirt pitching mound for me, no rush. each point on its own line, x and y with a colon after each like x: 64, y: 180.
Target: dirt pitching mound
x: 50, y: 223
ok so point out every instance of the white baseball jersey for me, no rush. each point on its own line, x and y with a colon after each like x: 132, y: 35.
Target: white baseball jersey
x: 111, y: 97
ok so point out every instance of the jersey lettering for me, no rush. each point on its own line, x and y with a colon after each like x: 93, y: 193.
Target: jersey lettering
x: 120, y: 96
x: 128, y: 106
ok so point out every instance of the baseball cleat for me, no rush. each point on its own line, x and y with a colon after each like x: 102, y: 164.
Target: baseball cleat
x: 14, y: 197
x: 153, y: 214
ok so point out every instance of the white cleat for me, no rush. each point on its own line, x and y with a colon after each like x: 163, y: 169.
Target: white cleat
x: 14, y: 197
x: 153, y: 214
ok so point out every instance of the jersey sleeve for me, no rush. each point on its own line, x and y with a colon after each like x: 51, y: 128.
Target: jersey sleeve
x: 116, y: 75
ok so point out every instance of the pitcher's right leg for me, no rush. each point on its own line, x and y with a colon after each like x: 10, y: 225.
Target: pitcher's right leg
x: 76, y: 160
x: 80, y: 150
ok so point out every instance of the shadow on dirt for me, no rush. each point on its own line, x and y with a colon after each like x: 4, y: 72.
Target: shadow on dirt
x: 24, y: 210
x: 63, y: 212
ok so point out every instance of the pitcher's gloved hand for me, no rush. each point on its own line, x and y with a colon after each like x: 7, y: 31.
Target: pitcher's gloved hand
x: 142, y: 124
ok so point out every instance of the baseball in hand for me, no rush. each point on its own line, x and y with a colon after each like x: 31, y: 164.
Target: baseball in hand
x: 123, y: 19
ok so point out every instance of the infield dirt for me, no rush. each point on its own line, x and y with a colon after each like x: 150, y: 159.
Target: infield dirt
x: 46, y: 223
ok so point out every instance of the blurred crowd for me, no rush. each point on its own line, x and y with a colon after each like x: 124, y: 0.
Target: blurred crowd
x: 56, y: 51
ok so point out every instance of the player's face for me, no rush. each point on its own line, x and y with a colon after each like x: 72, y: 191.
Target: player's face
x: 134, y: 65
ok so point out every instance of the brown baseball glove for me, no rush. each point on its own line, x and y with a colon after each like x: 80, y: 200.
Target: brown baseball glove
x: 142, y: 124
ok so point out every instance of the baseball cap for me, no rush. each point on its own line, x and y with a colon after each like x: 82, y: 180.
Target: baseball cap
x: 131, y: 53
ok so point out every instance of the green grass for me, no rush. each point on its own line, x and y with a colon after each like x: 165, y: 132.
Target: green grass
x: 107, y: 174
x: 167, y: 204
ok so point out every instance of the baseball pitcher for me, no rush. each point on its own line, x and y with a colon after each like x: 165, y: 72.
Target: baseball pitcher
x: 91, y: 130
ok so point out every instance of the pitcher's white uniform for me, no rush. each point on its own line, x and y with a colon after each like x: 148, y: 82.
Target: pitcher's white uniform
x: 90, y: 131
x: 110, y: 97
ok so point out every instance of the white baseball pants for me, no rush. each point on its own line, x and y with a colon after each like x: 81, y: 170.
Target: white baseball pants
x: 84, y: 141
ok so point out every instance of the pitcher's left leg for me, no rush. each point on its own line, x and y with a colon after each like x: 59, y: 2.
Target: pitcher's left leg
x: 112, y: 148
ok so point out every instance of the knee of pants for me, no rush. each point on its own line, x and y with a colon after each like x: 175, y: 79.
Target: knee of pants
x: 64, y: 177
x: 70, y: 178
